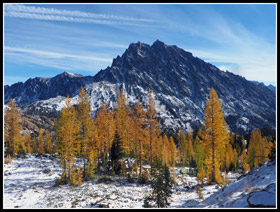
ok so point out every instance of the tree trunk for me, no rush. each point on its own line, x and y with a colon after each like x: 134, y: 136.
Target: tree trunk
x: 69, y: 169
x: 213, y: 162
x: 140, y: 158
x: 151, y: 147
x: 64, y: 168
x: 99, y: 158
x: 84, y: 175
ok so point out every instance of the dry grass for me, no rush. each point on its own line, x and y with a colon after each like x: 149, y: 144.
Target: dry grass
x: 8, y: 159
x: 247, y: 186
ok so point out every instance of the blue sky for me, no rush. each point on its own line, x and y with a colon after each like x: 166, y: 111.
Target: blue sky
x: 47, y: 39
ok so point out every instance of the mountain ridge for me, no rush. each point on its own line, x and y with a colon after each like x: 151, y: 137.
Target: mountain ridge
x: 180, y: 84
x: 42, y: 88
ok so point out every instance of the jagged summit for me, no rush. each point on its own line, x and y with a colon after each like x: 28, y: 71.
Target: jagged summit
x: 158, y: 43
x: 137, y: 45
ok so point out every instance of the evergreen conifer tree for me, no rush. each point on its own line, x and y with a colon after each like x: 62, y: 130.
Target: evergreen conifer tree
x: 116, y: 154
x: 167, y: 185
x: 161, y: 184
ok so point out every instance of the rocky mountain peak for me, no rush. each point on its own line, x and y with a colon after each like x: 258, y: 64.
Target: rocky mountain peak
x: 137, y: 45
x: 158, y: 43
x: 136, y: 51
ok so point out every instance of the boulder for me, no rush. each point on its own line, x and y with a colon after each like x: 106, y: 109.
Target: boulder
x: 265, y: 198
x: 46, y: 170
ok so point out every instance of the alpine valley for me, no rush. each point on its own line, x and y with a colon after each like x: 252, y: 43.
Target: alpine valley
x: 180, y: 84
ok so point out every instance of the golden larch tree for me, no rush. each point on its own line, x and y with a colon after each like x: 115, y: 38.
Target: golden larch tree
x: 244, y: 162
x: 13, y: 138
x: 182, y: 146
x: 139, y: 133
x: 28, y: 142
x: 86, y: 125
x: 105, y: 129
x: 67, y: 133
x: 110, y: 129
x: 244, y: 157
x: 157, y: 148
x: 153, y: 125
x: 41, y: 141
x: 34, y: 145
x: 201, y: 173
x: 166, y: 156
x: 199, y: 152
x: 123, y: 121
x: 173, y: 151
x: 91, y: 153
x: 189, y: 148
x: 215, y: 136
x: 228, y: 156
x: 258, y: 149
x: 48, y: 142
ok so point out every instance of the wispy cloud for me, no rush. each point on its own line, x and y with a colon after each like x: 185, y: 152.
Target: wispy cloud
x: 56, y: 60
x: 51, y: 14
x: 43, y: 10
x: 55, y: 54
x: 245, y: 52
x: 253, y: 66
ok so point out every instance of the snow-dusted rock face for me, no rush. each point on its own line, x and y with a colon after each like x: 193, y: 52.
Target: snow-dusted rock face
x: 179, y: 81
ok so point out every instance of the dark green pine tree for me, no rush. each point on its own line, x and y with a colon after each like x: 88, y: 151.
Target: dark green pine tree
x: 157, y: 184
x: 116, y: 154
x: 161, y: 184
x: 167, y: 184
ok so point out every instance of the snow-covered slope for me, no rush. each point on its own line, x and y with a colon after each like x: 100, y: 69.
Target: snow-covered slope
x: 256, y: 188
x: 30, y: 183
